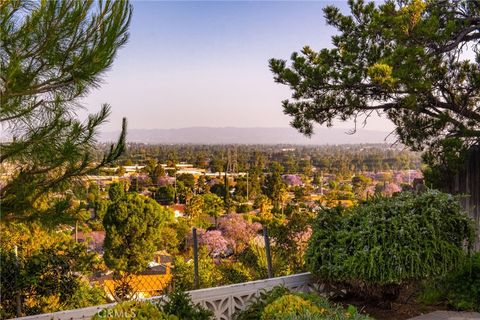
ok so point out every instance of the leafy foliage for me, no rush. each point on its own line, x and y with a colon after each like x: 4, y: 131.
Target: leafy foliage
x: 291, y: 235
x: 255, y: 309
x: 384, y: 243
x: 132, y: 224
x: 444, y: 163
x: 47, y: 276
x: 52, y: 53
x: 254, y: 257
x: 402, y: 59
x: 209, y: 275
x: 289, y: 305
x: 180, y: 304
x: 213, y: 205
x: 460, y: 289
x: 235, y: 272
x: 463, y: 286
x: 281, y: 304
x: 165, y: 194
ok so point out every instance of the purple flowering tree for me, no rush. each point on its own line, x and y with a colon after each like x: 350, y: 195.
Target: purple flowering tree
x: 214, y: 241
x: 391, y: 188
x: 238, y: 231
x: 292, y: 180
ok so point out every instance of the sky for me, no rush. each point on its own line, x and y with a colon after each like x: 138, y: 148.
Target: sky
x: 206, y: 64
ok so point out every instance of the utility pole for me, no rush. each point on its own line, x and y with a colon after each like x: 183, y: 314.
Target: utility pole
x: 321, y: 182
x: 268, y: 253
x: 175, y: 185
x: 18, y: 298
x: 248, y: 198
x: 195, y: 258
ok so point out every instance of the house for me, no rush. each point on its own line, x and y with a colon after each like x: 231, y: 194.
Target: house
x: 178, y: 209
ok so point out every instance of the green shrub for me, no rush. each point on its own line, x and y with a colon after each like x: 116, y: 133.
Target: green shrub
x: 180, y: 305
x: 289, y: 305
x: 460, y: 289
x: 463, y: 288
x: 141, y: 310
x: 85, y: 296
x: 209, y: 275
x: 281, y: 304
x: 256, y: 307
x: 378, y: 246
x: 235, y: 272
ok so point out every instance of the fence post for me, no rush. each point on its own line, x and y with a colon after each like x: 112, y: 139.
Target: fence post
x: 195, y: 258
x: 18, y: 299
x: 267, y: 251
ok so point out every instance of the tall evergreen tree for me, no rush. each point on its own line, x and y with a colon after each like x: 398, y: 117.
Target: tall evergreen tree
x: 132, y: 223
x: 52, y: 53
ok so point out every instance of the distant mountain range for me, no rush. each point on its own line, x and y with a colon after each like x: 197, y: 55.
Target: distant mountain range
x: 234, y: 135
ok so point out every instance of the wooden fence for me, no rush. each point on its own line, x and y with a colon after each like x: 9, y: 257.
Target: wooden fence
x: 468, y: 182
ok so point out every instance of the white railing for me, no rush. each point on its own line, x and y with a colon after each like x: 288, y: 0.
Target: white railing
x: 223, y: 301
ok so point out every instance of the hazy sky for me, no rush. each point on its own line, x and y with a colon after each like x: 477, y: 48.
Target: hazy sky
x: 206, y: 63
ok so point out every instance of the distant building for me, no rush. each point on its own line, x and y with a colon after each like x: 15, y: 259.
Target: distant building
x: 178, y: 209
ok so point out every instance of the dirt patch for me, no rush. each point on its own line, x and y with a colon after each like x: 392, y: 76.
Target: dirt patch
x: 398, y: 311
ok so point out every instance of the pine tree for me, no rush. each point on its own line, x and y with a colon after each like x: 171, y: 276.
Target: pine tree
x: 132, y: 224
x: 52, y: 53
x: 404, y: 59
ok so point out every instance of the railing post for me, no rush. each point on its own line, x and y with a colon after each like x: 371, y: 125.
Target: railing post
x: 195, y: 258
x: 18, y: 298
x: 267, y: 251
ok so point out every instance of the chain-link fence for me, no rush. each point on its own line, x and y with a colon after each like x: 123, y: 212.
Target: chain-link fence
x: 54, y: 279
x: 10, y: 295
x: 48, y: 281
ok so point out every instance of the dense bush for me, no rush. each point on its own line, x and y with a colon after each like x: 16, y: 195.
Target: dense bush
x: 180, y: 305
x: 289, y: 305
x: 48, y: 274
x: 463, y: 286
x: 209, y: 275
x: 375, y: 247
x: 460, y: 289
x: 235, y: 272
x: 255, y: 309
x: 281, y: 304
